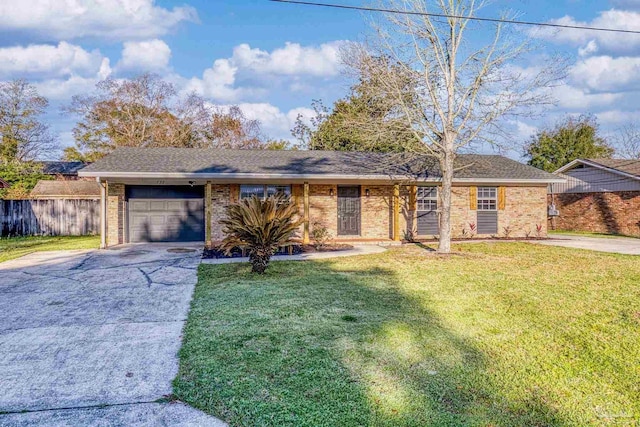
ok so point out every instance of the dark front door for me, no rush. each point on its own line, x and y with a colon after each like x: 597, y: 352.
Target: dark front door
x: 348, y: 211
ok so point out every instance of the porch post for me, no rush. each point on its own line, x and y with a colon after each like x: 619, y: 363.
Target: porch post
x: 396, y: 212
x: 207, y: 214
x: 103, y: 213
x: 305, y: 235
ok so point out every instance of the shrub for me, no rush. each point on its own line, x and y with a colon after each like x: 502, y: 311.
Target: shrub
x: 507, y: 231
x: 320, y: 235
x: 259, y: 227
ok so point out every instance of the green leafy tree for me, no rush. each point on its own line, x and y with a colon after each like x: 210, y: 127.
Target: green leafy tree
x: 260, y: 227
x: 571, y: 139
x: 367, y: 120
x: 22, y: 177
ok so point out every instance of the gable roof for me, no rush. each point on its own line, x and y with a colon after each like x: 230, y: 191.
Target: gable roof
x: 61, y: 168
x: 625, y: 167
x: 299, y: 164
x: 61, y: 189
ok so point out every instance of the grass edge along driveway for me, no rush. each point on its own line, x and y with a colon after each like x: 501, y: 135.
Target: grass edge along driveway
x: 503, y: 334
x: 16, y: 247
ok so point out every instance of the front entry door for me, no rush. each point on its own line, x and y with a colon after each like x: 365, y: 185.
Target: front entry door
x: 348, y: 211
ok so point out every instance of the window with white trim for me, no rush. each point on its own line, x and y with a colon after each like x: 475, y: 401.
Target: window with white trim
x: 427, y: 198
x: 263, y: 191
x: 487, y: 198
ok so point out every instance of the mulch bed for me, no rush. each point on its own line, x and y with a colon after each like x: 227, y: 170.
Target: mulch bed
x: 296, y: 249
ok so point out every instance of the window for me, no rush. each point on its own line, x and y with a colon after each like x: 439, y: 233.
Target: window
x: 427, y: 206
x: 427, y: 198
x: 487, y: 210
x: 487, y: 198
x: 263, y: 191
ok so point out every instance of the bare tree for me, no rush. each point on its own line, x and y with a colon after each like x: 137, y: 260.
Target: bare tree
x: 23, y: 135
x: 461, y: 89
x: 146, y: 111
x: 230, y: 128
x: 627, y: 142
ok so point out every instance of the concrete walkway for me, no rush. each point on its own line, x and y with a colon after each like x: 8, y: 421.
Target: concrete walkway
x: 611, y: 244
x: 357, y: 250
x: 91, y: 337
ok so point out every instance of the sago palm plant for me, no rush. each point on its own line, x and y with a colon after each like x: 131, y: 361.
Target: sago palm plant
x: 260, y: 227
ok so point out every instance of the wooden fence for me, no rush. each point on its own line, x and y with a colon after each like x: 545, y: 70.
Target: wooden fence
x: 52, y: 217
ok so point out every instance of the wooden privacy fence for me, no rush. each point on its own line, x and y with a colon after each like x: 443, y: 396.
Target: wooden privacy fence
x: 52, y: 217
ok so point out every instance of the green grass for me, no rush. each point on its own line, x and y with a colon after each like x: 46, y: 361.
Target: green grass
x: 589, y: 234
x: 15, y: 247
x: 502, y: 334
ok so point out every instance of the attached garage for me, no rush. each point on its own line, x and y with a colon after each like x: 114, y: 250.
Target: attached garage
x: 165, y: 213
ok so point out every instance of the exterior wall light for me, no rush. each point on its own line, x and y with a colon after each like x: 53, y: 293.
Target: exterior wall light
x: 367, y: 192
x: 331, y: 192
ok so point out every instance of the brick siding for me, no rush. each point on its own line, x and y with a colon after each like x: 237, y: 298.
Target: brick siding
x: 613, y: 213
x: 525, y: 208
x: 115, y: 214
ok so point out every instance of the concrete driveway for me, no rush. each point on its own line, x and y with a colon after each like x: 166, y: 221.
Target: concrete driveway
x: 91, y: 337
x: 618, y: 245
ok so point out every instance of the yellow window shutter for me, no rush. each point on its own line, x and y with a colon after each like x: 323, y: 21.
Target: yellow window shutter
x: 502, y: 198
x: 473, y: 198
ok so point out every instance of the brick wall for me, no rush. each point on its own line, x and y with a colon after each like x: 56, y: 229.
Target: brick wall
x: 614, y: 213
x: 115, y: 214
x: 525, y: 208
x: 221, y: 198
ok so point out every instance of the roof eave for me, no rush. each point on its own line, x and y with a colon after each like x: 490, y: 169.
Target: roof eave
x: 319, y: 177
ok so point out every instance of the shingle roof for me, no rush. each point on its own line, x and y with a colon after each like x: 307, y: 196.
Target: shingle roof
x: 201, y: 162
x: 59, y: 189
x: 61, y: 168
x: 631, y: 167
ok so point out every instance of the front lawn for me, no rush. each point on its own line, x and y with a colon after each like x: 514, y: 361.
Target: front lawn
x: 504, y: 334
x: 15, y: 247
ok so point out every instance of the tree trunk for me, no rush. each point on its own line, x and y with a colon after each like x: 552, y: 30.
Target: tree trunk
x: 446, y: 166
x: 259, y: 261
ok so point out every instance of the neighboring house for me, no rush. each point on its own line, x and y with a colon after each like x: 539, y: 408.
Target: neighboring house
x: 4, y: 184
x: 599, y: 195
x: 67, y: 171
x: 78, y: 189
x: 171, y: 194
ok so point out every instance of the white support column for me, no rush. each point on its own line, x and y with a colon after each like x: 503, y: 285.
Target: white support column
x: 103, y: 213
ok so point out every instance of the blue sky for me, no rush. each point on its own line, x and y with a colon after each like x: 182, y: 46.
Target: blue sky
x: 273, y: 59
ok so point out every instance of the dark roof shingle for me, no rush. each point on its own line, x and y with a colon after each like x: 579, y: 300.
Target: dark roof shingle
x: 61, y: 168
x: 304, y: 163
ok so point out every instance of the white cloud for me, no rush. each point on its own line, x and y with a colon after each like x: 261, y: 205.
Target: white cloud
x: 572, y: 98
x: 601, y: 41
x: 149, y: 55
x: 63, y: 89
x: 111, y: 19
x: 292, y: 59
x: 616, y: 117
x: 48, y: 60
x: 216, y: 83
x: 252, y: 72
x: 607, y: 74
